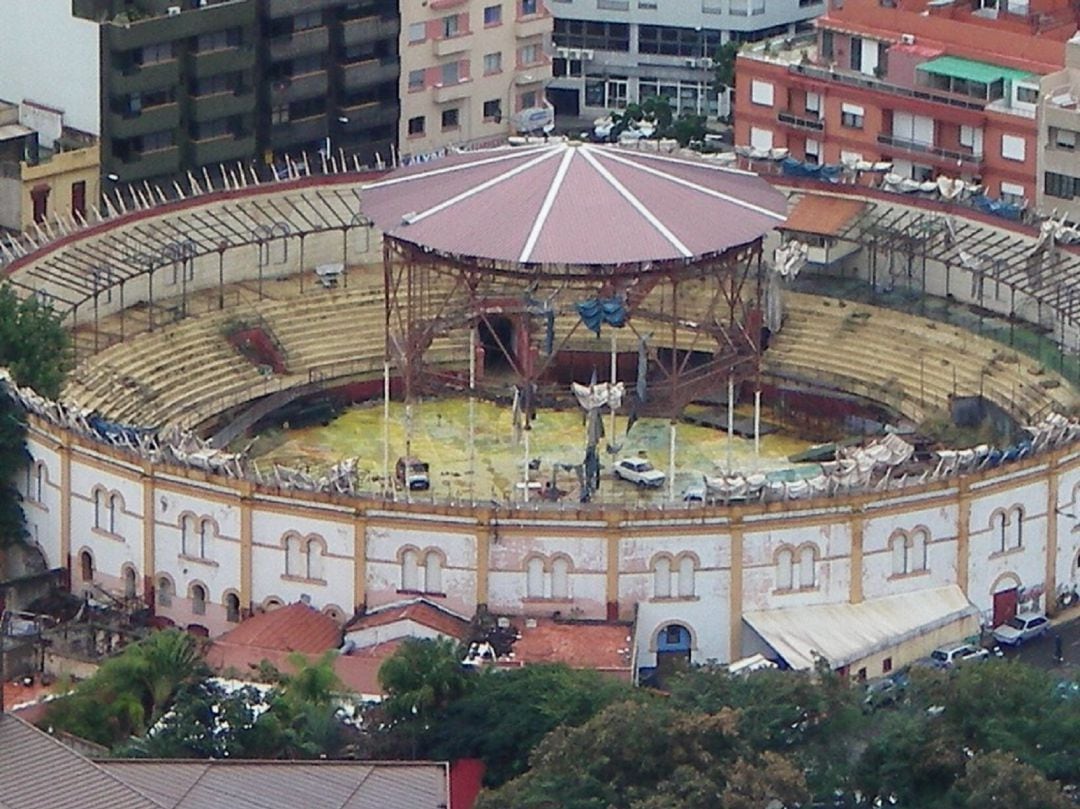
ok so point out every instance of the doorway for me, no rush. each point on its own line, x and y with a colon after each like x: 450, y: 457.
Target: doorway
x: 673, y: 650
x: 1005, y: 605
x: 496, y: 333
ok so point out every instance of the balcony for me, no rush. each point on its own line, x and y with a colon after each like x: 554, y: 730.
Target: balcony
x: 136, y: 79
x: 152, y: 119
x: 800, y: 122
x: 220, y: 105
x: 876, y: 85
x: 365, y: 74
x: 452, y: 92
x: 915, y: 148
x: 533, y: 26
x: 302, y: 131
x: 227, y: 60
x: 365, y: 116
x: 307, y: 85
x: 300, y: 43
x: 369, y: 29
x: 222, y: 150
x: 452, y: 45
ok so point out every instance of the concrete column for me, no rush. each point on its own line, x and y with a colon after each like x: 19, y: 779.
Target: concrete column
x: 855, y: 594
x: 149, y: 553
x: 246, y: 520
x: 1050, y: 586
x: 360, y: 561
x: 963, y: 536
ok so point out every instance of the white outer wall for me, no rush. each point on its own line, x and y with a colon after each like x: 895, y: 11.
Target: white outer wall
x: 52, y: 58
x: 385, y: 533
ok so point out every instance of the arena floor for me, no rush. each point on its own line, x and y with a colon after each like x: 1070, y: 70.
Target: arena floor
x: 440, y: 437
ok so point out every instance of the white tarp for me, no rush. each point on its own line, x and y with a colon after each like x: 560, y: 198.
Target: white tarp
x: 601, y: 394
x: 844, y: 633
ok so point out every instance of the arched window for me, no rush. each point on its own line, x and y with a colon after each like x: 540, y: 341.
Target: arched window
x: 294, y: 562
x: 1017, y: 520
x: 899, y: 544
x: 917, y: 552
x: 433, y: 572
x: 232, y: 608
x: 99, y: 509
x: 560, y: 577
x: 807, y: 561
x: 165, y: 591
x: 187, y: 534
x: 206, y: 527
x: 999, y: 524
x: 130, y: 584
x: 198, y: 599
x: 86, y: 566
x: 687, y: 567
x: 534, y: 578
x: 272, y: 603
x: 115, y: 507
x: 410, y: 570
x: 662, y: 577
x: 785, y: 564
x: 313, y: 558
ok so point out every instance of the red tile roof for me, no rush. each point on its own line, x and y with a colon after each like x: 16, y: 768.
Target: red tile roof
x: 576, y: 204
x: 421, y: 611
x: 824, y: 215
x: 581, y: 645
x: 295, y: 628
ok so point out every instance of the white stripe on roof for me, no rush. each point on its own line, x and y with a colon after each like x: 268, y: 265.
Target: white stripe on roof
x: 484, y: 186
x: 696, y: 187
x: 549, y: 202
x: 467, y: 164
x: 700, y: 163
x: 638, y: 205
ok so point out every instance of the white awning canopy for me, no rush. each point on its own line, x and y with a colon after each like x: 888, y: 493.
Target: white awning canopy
x: 844, y: 633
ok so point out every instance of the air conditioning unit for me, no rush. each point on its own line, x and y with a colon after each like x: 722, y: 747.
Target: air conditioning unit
x: 573, y: 54
x: 587, y: 55
x: 907, y: 39
x: 563, y: 53
x: 691, y: 62
x: 705, y: 62
x: 173, y: 11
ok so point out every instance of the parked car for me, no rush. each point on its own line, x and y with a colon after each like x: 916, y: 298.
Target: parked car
x: 412, y: 473
x: 639, y: 471
x: 694, y: 493
x: 884, y: 692
x: 953, y: 654
x: 1022, y: 628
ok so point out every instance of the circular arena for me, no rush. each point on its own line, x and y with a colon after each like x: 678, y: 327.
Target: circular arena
x: 427, y: 303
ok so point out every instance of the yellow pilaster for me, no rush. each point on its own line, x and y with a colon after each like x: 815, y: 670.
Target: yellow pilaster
x: 612, y: 534
x: 963, y: 537
x: 149, y: 554
x: 735, y: 604
x: 483, y: 556
x: 246, y: 531
x: 1051, y: 536
x: 65, y: 504
x: 359, y: 560
x: 855, y: 594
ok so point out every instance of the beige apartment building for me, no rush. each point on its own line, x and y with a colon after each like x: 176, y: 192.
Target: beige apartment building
x: 472, y: 71
x: 1059, y: 138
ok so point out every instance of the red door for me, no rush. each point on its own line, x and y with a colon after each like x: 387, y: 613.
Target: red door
x: 1005, y: 606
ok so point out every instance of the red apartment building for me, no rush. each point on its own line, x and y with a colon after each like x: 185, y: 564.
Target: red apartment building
x: 935, y: 86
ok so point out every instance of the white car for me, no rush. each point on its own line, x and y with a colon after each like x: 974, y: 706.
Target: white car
x: 639, y: 471
x: 1023, y: 627
x: 945, y: 657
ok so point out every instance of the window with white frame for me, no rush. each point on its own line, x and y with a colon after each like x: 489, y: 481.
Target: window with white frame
x: 421, y: 571
x: 662, y: 577
x: 410, y: 570
x: 813, y: 151
x: 785, y: 569
x: 450, y: 26
x: 852, y: 116
x: 417, y: 32
x: 1013, y: 193
x: 100, y: 498
x: 909, y: 551
x: 761, y: 139
x: 687, y: 571
x: 294, y: 555
x: 314, y: 553
x: 187, y: 534
x: 492, y: 63
x: 761, y: 92
x: 1013, y: 147
x: 807, y: 567
x: 560, y: 577
x: 534, y: 577
x: 530, y: 54
x: 813, y: 104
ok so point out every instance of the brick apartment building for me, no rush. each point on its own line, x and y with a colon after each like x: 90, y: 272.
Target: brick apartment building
x: 936, y: 87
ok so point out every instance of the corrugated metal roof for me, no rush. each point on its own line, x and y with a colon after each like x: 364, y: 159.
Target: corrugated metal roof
x: 287, y: 784
x: 38, y: 772
x: 843, y: 633
x: 573, y: 204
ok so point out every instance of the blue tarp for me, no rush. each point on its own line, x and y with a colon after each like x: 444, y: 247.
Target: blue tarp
x: 1006, y: 210
x: 597, y: 311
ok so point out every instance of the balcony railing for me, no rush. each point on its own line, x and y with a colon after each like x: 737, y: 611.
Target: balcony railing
x: 876, y: 85
x: 915, y: 147
x: 798, y: 122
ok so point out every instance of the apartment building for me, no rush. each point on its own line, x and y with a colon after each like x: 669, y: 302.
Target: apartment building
x: 1058, y: 178
x: 937, y: 87
x: 472, y: 71
x: 613, y: 52
x: 172, y: 86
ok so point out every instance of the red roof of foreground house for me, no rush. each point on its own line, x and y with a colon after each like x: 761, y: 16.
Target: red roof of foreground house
x: 295, y: 628
x: 573, y: 204
x: 579, y: 644
x: 420, y: 611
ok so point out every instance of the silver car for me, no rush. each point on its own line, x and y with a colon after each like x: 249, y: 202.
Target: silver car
x: 1022, y: 628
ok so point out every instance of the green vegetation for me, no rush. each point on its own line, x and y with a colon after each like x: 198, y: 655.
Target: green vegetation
x: 36, y: 350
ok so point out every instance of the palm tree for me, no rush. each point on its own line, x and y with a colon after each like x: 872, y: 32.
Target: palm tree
x: 421, y: 678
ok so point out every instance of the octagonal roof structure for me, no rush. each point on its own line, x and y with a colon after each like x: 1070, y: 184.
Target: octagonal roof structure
x: 565, y: 203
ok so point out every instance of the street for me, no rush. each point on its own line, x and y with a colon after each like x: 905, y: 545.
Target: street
x: 1040, y: 652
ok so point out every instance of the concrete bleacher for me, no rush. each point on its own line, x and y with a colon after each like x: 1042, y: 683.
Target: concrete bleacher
x: 906, y: 362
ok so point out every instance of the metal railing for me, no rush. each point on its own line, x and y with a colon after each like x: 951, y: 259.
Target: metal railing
x: 879, y: 86
x: 802, y: 123
x: 916, y: 147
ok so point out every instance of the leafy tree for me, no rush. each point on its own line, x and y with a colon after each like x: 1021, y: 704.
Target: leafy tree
x: 129, y: 693
x: 507, y: 713
x: 724, y: 65
x: 998, y: 779
x: 36, y: 349
x: 753, y: 784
